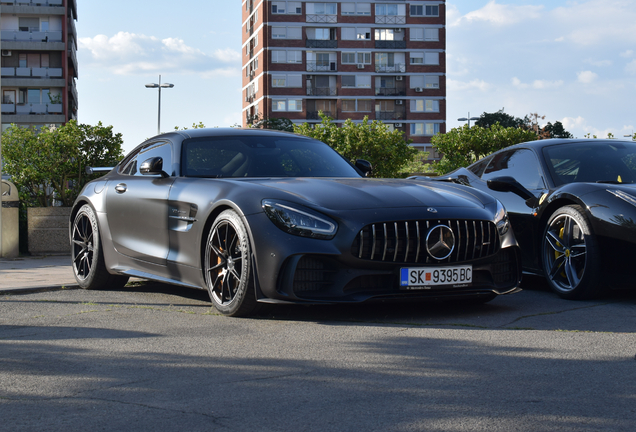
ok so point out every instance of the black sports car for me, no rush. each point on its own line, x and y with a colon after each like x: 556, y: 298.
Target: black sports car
x: 265, y: 216
x: 572, y: 206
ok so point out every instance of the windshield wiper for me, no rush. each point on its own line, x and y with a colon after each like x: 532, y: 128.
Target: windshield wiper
x: 613, y: 182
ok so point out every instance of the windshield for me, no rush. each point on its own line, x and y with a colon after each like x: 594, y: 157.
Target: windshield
x: 262, y: 156
x: 592, y: 162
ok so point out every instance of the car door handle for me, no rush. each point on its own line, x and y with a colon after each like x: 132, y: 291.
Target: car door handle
x: 121, y: 188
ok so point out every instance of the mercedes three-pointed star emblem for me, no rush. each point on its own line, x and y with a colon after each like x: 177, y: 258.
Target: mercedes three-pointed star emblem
x: 440, y: 242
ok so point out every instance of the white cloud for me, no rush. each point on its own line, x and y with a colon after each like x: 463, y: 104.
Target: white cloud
x: 476, y: 84
x: 537, y: 84
x: 631, y: 67
x: 598, y: 63
x: 129, y: 54
x: 500, y: 14
x: 586, y: 77
x: 627, y: 54
x: 597, y: 22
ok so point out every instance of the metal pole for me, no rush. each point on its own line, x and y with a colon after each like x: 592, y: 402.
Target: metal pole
x: 159, y: 109
x: 1, y: 252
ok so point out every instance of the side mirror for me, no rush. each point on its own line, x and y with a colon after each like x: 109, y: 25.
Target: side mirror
x: 509, y: 184
x: 364, y: 166
x: 153, y: 166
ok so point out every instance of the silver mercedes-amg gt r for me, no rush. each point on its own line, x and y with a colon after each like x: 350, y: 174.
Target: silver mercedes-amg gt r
x: 260, y: 216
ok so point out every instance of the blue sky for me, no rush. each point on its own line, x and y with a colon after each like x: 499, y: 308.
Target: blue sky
x: 571, y: 61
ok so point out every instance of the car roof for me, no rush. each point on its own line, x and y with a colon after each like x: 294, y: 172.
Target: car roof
x: 225, y: 132
x: 540, y: 144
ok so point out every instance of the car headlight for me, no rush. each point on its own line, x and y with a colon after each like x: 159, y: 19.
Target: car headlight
x: 300, y: 221
x: 501, y: 219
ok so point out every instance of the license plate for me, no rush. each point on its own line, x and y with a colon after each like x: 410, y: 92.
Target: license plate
x: 424, y: 277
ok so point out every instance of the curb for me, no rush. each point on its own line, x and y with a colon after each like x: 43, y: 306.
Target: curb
x: 32, y: 290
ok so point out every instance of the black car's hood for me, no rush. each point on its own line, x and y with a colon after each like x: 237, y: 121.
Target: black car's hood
x: 353, y: 193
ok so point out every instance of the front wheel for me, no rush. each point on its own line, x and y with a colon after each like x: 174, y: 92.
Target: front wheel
x: 571, y: 261
x: 87, y: 254
x: 227, y: 266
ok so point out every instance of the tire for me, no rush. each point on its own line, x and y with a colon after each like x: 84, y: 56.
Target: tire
x: 87, y: 256
x: 227, y: 266
x: 570, y: 256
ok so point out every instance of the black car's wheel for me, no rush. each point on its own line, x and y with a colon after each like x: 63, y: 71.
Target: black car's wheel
x: 570, y: 255
x: 87, y: 255
x: 227, y: 266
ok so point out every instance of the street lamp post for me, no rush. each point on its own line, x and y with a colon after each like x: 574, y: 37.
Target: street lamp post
x: 159, y: 86
x: 468, y: 119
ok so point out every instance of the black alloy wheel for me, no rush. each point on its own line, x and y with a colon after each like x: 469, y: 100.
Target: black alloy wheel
x: 87, y: 256
x: 227, y: 266
x: 570, y: 256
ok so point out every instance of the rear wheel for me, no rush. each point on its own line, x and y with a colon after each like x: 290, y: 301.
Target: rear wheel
x: 87, y: 256
x: 571, y: 260
x: 227, y: 266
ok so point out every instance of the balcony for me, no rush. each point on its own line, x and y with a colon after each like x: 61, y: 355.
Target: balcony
x: 25, y: 72
x: 72, y: 58
x: 72, y: 31
x: 321, y: 66
x: 319, y: 43
x: 389, y: 115
x: 330, y: 19
x: 313, y: 115
x: 322, y: 91
x: 397, y: 67
x: 390, y: 19
x: 390, y: 44
x: 382, y: 91
x: 28, y: 109
x: 29, y: 36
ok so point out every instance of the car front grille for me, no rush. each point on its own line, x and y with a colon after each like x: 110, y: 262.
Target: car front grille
x: 405, y: 241
x: 312, y: 275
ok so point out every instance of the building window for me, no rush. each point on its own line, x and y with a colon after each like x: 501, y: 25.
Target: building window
x: 294, y: 105
x: 424, y: 105
x: 279, y: 105
x: 356, y: 58
x: 386, y: 9
x: 421, y: 58
x: 422, y: 34
x: 355, y: 8
x: 279, y: 80
x: 421, y: 10
x: 385, y: 34
x: 287, y: 33
x: 289, y: 81
x: 279, y: 56
x: 287, y: 105
x: 350, y: 33
x: 427, y: 129
x: 357, y: 105
x: 294, y: 56
x: 424, y: 81
x: 322, y: 8
x: 291, y: 7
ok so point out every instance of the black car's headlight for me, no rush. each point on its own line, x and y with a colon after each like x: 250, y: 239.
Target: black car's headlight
x: 501, y: 219
x: 299, y: 220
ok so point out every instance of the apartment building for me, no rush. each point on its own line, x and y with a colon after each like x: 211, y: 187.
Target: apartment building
x: 39, y: 62
x: 383, y: 59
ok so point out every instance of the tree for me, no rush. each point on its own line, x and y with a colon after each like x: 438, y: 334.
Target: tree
x: 194, y: 126
x: 506, y: 120
x: 461, y: 147
x: 49, y: 164
x: 282, y: 124
x: 388, y: 151
x: 555, y: 130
